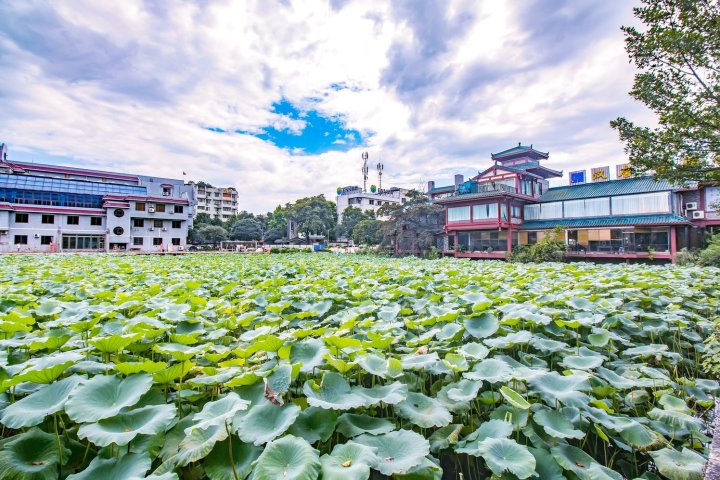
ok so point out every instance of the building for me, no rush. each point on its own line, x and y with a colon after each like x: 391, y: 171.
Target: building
x: 218, y: 202
x: 367, y: 201
x: 47, y: 208
x: 510, y: 203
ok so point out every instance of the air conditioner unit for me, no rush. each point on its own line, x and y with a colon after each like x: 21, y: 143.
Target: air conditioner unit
x: 37, y: 235
x: 164, y: 229
x: 691, y: 206
x: 698, y: 214
x: 151, y: 209
x: 152, y: 229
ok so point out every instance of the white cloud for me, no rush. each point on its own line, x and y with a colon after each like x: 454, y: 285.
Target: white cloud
x: 132, y: 87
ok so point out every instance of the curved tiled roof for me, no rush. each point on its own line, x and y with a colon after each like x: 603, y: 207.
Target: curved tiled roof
x: 603, y: 189
x: 612, y: 221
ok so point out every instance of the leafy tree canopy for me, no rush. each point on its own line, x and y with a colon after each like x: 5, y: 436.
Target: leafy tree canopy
x: 678, y: 55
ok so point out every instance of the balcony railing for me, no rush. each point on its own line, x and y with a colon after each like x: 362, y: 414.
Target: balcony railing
x: 484, y: 189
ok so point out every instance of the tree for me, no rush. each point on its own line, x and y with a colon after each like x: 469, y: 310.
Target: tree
x: 414, y: 226
x: 678, y: 56
x: 276, y: 229
x: 211, y: 234
x: 246, y: 229
x: 313, y: 215
x: 367, y: 232
x: 350, y: 217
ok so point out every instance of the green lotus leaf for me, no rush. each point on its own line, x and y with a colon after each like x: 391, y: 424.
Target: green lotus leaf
x: 334, y: 393
x: 104, y: 396
x: 428, y: 469
x: 132, y: 466
x: 314, y: 424
x: 33, y: 409
x: 581, y: 464
x: 349, y: 461
x: 491, y: 370
x: 482, y: 326
x: 45, y: 369
x: 556, y: 424
x: 114, y: 343
x: 265, y: 422
x: 352, y: 425
x: 675, y: 404
x: 220, y: 465
x: 676, y: 420
x: 148, y: 366
x: 547, y: 345
x: 48, y: 308
x: 32, y: 455
x: 490, y: 429
x: 218, y: 412
x: 578, y: 362
x: 179, y: 351
x: 641, y: 437
x: 164, y: 476
x: 198, y: 444
x: 449, y: 331
x: 445, y: 437
x: 476, y: 351
x: 391, y: 394
x: 580, y: 303
x: 599, y: 339
x: 464, y: 390
x: 419, y: 362
x: 287, y: 458
x: 645, y: 350
x: 502, y: 454
x: 679, y: 465
x: 637, y: 398
x: 397, y: 452
x: 456, y: 362
x: 553, y: 387
x: 545, y: 465
x: 514, y: 398
x: 423, y: 411
x: 125, y: 426
x: 509, y: 340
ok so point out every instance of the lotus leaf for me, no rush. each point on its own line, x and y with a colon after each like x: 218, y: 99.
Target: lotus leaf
x: 265, y: 422
x: 396, y: 452
x: 423, y: 411
x: 220, y: 465
x: 33, y: 409
x: 290, y: 458
x: 32, y: 455
x: 125, y: 426
x: 352, y: 425
x: 104, y: 396
x: 132, y: 466
x: 349, y: 461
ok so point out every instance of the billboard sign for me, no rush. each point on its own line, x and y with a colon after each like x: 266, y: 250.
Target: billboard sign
x: 623, y: 171
x: 600, y: 174
x: 577, y: 177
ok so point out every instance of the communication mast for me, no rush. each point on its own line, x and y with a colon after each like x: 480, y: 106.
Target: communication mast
x: 380, y: 167
x: 365, y: 170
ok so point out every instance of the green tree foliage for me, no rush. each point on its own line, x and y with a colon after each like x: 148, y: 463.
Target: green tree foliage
x: 368, y: 232
x: 414, y: 226
x: 710, y: 256
x: 246, y: 229
x: 313, y: 215
x: 351, y: 216
x: 678, y: 55
x: 209, y: 234
x: 550, y: 248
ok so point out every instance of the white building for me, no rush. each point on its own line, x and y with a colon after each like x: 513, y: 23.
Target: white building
x: 220, y: 202
x: 56, y: 208
x: 367, y: 201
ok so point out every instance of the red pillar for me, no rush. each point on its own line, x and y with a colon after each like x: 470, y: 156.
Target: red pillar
x: 673, y: 243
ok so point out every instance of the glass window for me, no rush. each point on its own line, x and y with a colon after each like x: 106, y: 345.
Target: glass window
x: 160, y: 208
x: 140, y: 207
x: 532, y: 212
x: 485, y: 212
x: 516, y: 213
x: 138, y: 240
x: 138, y: 222
x: 589, y: 207
x: 179, y: 209
x: 158, y: 223
x: 658, y: 202
x: 21, y: 218
x: 96, y: 221
x: 176, y: 224
x: 157, y: 241
x: 458, y: 214
x: 73, y: 220
x: 46, y: 240
x: 483, y: 241
x: 176, y: 241
x: 20, y: 239
x: 551, y: 210
x: 48, y: 219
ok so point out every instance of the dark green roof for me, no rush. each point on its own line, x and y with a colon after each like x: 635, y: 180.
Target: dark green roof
x: 604, y: 189
x: 518, y: 149
x: 442, y: 189
x: 616, y: 221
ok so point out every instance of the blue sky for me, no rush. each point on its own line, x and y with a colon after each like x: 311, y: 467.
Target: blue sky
x: 281, y: 98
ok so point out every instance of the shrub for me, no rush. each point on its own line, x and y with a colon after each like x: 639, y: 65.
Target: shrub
x: 710, y: 257
x: 686, y: 257
x: 551, y: 248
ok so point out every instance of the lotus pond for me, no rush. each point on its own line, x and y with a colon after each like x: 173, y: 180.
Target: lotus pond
x: 320, y: 366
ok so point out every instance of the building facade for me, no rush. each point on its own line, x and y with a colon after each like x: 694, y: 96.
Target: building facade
x: 510, y: 203
x: 367, y: 201
x: 218, y: 202
x: 46, y: 208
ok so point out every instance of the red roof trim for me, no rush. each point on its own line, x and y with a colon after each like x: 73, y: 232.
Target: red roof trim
x: 46, y: 209
x: 145, y: 199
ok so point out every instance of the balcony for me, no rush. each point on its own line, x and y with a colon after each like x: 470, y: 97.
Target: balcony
x: 481, y: 189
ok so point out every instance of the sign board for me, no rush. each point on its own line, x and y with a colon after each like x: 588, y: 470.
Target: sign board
x: 600, y: 174
x: 623, y: 171
x: 577, y: 177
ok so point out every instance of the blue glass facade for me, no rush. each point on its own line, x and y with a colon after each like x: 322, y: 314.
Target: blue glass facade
x: 30, y: 197
x: 48, y: 184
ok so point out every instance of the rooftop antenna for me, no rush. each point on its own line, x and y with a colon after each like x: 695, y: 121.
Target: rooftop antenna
x: 380, y: 167
x: 365, y: 170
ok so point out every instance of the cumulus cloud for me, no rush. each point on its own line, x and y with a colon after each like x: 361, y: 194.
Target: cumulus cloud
x: 430, y: 87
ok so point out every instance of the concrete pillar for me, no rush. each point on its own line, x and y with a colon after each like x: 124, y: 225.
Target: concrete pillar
x: 673, y: 242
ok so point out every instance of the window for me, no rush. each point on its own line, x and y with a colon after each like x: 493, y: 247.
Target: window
x: 20, y: 239
x: 138, y: 222
x: 589, y: 207
x: 47, y: 219
x: 176, y: 224
x: 83, y: 242
x: 96, y: 221
x: 372, y: 202
x: 46, y: 240
x: 515, y: 210
x: 118, y: 231
x: 485, y: 212
x: 139, y: 207
x: 179, y: 209
x: 138, y: 240
x: 167, y: 191
x: 158, y: 223
x: 160, y: 208
x: 176, y: 241
x: 157, y: 241
x: 119, y: 212
x: 21, y: 218
x: 73, y: 220
x: 644, y: 203
x: 458, y: 214
x: 543, y: 211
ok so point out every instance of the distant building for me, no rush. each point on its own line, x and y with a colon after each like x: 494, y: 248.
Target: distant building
x: 367, y: 201
x: 510, y: 203
x: 56, y: 208
x: 218, y: 202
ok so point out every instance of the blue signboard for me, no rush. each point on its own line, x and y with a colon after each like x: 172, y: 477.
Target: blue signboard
x: 577, y: 177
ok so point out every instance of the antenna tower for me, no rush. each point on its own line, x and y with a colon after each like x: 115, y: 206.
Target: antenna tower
x: 380, y: 167
x: 365, y: 170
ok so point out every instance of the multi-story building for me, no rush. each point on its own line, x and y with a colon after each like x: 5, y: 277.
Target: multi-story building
x: 218, y: 202
x: 510, y: 203
x: 367, y: 201
x: 63, y: 209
